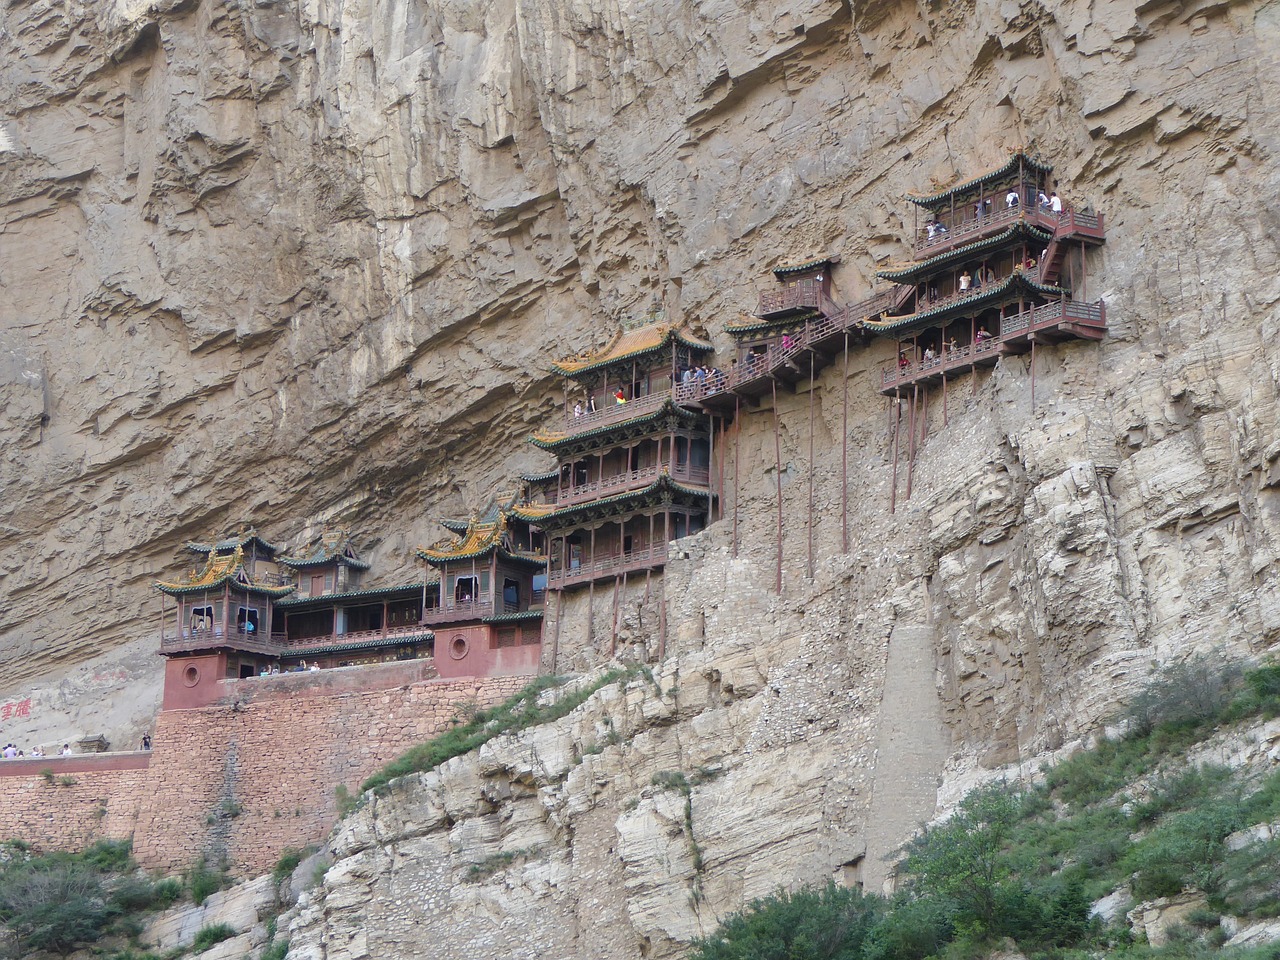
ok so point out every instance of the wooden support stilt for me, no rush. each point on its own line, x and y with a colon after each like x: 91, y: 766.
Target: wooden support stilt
x: 777, y: 459
x: 924, y: 416
x: 662, y: 619
x: 844, y: 455
x: 912, y: 401
x: 737, y: 461
x: 897, y: 429
x: 812, y: 471
x: 1033, y: 373
x: 613, y: 620
x: 555, y: 639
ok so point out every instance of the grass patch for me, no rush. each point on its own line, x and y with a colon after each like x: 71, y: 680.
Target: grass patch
x: 206, y: 937
x: 499, y: 861
x: 525, y: 709
x: 288, y: 862
x: 203, y: 881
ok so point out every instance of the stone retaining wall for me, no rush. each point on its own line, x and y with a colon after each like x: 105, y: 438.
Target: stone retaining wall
x: 238, y: 781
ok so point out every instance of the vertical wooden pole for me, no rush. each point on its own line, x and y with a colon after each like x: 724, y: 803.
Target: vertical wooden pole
x: 812, y: 471
x: 911, y: 435
x: 897, y: 429
x: 844, y: 455
x: 777, y: 459
x: 737, y: 461
x: 1033, y: 373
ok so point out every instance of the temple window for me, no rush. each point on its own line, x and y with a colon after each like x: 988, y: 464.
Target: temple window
x: 511, y: 593
x: 202, y: 618
x: 247, y: 620
x: 466, y: 589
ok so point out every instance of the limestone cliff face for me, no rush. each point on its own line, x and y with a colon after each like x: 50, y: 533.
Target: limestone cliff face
x: 292, y: 260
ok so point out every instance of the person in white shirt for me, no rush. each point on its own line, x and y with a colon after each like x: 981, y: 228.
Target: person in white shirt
x: 66, y: 749
x: 965, y: 281
x: 1055, y: 203
x: 1011, y: 199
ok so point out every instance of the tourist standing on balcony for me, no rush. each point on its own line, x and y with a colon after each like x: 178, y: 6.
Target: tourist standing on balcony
x: 966, y: 281
x: 577, y: 410
x: 952, y: 346
x: 929, y: 355
x: 787, y: 342
x: 1011, y: 199
x: 620, y: 398
x: 903, y: 362
x: 1055, y: 203
x: 982, y: 336
x: 591, y: 403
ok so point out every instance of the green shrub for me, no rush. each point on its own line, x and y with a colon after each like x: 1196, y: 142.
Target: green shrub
x: 276, y: 951
x: 912, y: 930
x: 475, y: 727
x: 206, y: 937
x: 203, y: 882
x: 1186, y: 694
x: 140, y: 894
x: 288, y: 863
x: 54, y: 903
x: 826, y: 924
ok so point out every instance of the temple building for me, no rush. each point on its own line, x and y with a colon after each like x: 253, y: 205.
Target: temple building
x: 999, y: 266
x: 246, y: 610
x: 486, y: 584
x: 633, y: 465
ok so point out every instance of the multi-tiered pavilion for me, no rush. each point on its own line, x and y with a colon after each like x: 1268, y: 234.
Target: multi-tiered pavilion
x: 633, y: 460
x: 992, y: 273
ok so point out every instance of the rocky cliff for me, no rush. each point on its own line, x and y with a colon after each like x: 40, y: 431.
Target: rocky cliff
x: 289, y: 261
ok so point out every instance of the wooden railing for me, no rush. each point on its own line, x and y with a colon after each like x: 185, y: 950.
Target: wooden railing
x: 799, y: 295
x: 278, y: 644
x: 611, y: 565
x: 468, y: 610
x: 1066, y: 223
x: 610, y: 411
x: 631, y: 480
x: 1045, y: 316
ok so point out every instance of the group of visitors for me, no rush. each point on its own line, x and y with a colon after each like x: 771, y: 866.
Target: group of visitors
x: 11, y: 752
x: 303, y: 667
x: 581, y: 409
x: 945, y: 350
x: 1049, y: 202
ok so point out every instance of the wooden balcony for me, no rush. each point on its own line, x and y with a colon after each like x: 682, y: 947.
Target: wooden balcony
x: 1051, y: 322
x: 631, y: 480
x: 278, y: 645
x: 788, y: 359
x: 609, y: 411
x: 797, y: 297
x: 458, y: 611
x: 607, y: 567
x: 1069, y: 223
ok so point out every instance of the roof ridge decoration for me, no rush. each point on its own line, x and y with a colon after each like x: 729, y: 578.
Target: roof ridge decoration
x: 809, y: 263
x: 550, y: 440
x: 976, y: 298
x: 630, y: 344
x: 1017, y: 155
x: 1020, y: 226
x: 219, y: 569
x: 479, y: 538
x: 247, y: 535
x: 333, y: 546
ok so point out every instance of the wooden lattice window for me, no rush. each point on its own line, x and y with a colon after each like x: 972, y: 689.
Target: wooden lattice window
x: 506, y: 637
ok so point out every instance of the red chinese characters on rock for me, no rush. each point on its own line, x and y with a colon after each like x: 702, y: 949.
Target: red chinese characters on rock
x: 16, y: 710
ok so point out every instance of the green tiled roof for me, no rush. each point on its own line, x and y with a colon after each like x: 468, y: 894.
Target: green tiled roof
x: 1015, y: 231
x: 373, y: 593
x: 668, y: 407
x: 757, y: 326
x: 663, y: 483
x: 964, y: 306
x: 787, y: 269
x: 1027, y: 161
x: 242, y: 540
x: 513, y: 617
x: 339, y: 647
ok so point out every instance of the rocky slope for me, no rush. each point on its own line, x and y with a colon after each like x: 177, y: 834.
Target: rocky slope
x: 286, y: 262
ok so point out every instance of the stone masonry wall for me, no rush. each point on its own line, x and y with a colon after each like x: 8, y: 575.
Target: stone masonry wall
x: 241, y: 781
x: 71, y: 810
